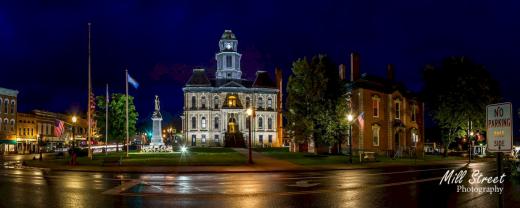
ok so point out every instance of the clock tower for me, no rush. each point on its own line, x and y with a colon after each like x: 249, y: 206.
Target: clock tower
x: 228, y: 59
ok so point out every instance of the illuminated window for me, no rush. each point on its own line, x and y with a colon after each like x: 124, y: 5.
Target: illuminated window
x: 203, y: 140
x: 269, y: 103
x: 415, y: 137
x: 375, y: 105
x: 203, y: 102
x: 203, y: 123
x: 260, y: 102
x: 216, y: 139
x: 375, y: 135
x: 232, y: 101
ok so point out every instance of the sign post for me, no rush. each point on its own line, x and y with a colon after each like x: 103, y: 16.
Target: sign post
x: 499, y: 134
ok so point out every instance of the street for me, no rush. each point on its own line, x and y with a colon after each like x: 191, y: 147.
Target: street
x: 389, y: 187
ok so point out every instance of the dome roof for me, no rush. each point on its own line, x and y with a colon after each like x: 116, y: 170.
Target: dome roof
x: 228, y: 35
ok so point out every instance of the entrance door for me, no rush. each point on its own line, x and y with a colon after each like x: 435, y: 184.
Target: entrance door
x: 193, y: 140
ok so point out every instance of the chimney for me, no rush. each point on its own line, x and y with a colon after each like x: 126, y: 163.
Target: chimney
x: 342, y: 72
x: 390, y: 72
x: 354, y: 66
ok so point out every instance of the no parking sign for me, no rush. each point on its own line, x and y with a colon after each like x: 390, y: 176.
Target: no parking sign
x: 499, y: 123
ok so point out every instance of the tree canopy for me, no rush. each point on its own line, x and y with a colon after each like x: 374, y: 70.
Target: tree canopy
x: 456, y: 93
x: 116, y: 116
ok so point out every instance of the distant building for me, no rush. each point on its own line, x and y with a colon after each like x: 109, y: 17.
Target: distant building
x: 215, y: 109
x: 42, y: 124
x: 393, y: 121
x: 8, y: 110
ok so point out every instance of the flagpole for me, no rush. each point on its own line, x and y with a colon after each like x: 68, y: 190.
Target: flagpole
x: 106, y: 123
x: 127, y: 139
x: 89, y: 92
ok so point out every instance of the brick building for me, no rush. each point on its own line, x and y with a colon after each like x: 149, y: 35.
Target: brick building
x: 392, y: 118
x: 8, y: 110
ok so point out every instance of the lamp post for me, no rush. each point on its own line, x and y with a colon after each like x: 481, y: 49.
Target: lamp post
x: 74, y: 120
x: 251, y: 113
x: 471, y: 134
x: 350, y: 118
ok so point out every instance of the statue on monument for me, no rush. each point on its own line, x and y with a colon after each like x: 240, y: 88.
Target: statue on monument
x: 157, y: 103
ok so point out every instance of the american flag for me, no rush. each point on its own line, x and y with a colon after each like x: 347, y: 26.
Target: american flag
x: 361, y: 120
x: 58, y: 130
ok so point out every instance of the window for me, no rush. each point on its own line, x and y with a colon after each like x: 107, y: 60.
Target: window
x: 6, y: 103
x: 414, y: 112
x: 232, y: 101
x: 229, y: 61
x: 203, y: 140
x: 216, y: 123
x: 12, y: 125
x: 375, y: 135
x: 203, y: 102
x: 6, y: 123
x: 270, y: 139
x: 375, y: 105
x: 203, y: 123
x: 193, y: 102
x: 12, y: 107
x: 269, y: 123
x: 248, y: 102
x: 216, y: 139
x: 260, y: 102
x: 397, y: 110
x: 215, y: 102
x: 193, y: 122
x: 261, y: 139
x: 193, y: 140
x: 269, y: 103
x: 260, y: 123
x: 415, y: 137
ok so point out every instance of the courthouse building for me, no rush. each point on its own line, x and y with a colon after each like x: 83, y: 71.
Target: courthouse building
x: 215, y: 108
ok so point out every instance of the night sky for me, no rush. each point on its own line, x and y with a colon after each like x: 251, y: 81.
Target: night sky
x: 43, y: 45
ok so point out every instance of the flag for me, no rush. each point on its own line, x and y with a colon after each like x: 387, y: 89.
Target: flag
x: 133, y: 82
x: 361, y: 120
x: 58, y: 129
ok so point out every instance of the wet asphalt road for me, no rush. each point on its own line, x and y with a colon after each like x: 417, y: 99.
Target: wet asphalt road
x: 390, y: 187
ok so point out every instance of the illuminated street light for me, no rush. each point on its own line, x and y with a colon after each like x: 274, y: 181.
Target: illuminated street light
x: 350, y: 118
x: 251, y: 113
x: 74, y: 120
x: 183, y: 149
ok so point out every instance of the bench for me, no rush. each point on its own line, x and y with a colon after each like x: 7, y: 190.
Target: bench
x: 369, y: 156
x: 110, y: 161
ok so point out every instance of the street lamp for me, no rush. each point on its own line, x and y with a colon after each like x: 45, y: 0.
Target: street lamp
x: 350, y: 118
x: 251, y: 113
x: 74, y: 120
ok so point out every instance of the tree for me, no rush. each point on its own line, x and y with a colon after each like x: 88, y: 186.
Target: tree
x: 456, y: 94
x: 117, y: 117
x: 314, y: 101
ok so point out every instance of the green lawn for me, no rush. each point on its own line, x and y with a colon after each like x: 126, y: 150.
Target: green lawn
x: 194, y: 156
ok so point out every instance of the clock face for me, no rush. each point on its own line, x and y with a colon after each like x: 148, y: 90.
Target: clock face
x: 228, y: 45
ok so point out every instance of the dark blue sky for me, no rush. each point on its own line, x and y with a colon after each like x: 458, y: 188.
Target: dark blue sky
x: 43, y: 50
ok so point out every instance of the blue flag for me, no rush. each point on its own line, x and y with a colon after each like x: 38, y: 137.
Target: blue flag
x: 133, y: 82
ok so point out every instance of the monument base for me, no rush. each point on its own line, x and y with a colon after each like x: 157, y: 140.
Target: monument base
x: 157, y: 148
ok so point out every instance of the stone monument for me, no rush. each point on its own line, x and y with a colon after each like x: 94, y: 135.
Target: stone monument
x: 157, y: 139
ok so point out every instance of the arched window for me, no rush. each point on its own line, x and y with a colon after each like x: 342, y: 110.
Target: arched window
x: 260, y: 123
x: 0, y: 122
x: 269, y: 103
x: 415, y: 137
x: 232, y: 101
x: 193, y: 122
x: 193, y: 102
x: 375, y: 105
x: 6, y: 103
x: 248, y: 102
x: 397, y: 109
x: 203, y: 123
x: 375, y: 134
x: 216, y: 123
x: 6, y: 123
x: 260, y: 102
x: 215, y: 102
x: 203, y: 102
x: 269, y: 123
x: 12, y: 107
x: 414, y: 112
x: 12, y: 124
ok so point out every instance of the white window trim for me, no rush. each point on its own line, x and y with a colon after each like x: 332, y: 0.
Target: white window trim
x: 378, y: 99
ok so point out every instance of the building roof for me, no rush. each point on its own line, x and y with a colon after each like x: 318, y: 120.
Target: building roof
x: 228, y: 35
x: 381, y: 85
x: 8, y: 92
x: 198, y: 79
x: 263, y: 80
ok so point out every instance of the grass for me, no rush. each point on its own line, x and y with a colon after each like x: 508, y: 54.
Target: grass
x: 272, y: 149
x: 194, y: 156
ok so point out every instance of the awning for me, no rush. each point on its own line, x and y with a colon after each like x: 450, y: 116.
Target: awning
x: 3, y: 141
